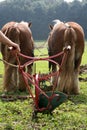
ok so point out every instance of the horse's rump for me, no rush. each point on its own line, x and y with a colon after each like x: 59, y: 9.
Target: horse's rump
x: 62, y: 35
x: 21, y: 34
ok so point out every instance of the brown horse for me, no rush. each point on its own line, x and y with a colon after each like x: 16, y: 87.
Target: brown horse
x: 62, y: 35
x: 21, y: 34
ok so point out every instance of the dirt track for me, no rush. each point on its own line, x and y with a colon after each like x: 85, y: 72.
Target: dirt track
x: 83, y: 70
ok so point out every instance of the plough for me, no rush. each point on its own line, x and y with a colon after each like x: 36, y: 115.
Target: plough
x: 44, y: 101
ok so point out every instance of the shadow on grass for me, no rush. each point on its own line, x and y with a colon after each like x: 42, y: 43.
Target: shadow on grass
x: 78, y: 99
x: 11, y: 96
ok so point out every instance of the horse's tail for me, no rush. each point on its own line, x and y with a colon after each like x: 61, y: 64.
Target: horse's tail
x: 69, y: 36
x: 70, y: 39
x: 67, y: 76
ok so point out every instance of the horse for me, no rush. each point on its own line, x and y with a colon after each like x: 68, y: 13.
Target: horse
x: 20, y: 33
x: 63, y: 35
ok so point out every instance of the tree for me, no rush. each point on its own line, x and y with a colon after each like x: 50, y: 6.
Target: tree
x: 41, y: 13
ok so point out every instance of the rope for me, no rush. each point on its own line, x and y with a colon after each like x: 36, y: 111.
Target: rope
x: 36, y: 58
x: 9, y: 63
x: 44, y: 45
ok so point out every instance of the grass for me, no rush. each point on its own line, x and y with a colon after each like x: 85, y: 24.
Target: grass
x: 41, y: 66
x: 71, y: 115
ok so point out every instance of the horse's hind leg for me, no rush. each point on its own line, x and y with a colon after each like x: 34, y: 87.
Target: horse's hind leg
x: 29, y: 71
x: 8, y: 79
x: 21, y: 84
x: 76, y: 87
x: 54, y: 78
x: 15, y: 78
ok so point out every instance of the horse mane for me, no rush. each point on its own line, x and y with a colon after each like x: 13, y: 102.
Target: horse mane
x: 57, y: 22
x: 23, y: 22
x: 27, y: 24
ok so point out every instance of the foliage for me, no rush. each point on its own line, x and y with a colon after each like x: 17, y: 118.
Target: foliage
x: 71, y: 115
x: 42, y: 13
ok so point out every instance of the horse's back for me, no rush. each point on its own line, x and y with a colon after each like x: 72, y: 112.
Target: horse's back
x: 56, y: 38
x: 20, y: 33
x: 63, y: 35
x: 7, y: 25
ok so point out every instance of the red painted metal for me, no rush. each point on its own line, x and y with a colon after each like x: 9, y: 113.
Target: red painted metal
x: 37, y: 78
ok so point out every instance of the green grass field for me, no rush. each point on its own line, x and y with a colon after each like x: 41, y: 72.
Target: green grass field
x: 71, y: 115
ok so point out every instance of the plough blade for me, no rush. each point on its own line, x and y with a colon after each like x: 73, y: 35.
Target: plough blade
x: 55, y: 99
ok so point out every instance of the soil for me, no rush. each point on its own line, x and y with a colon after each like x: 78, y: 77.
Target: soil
x: 83, y: 70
